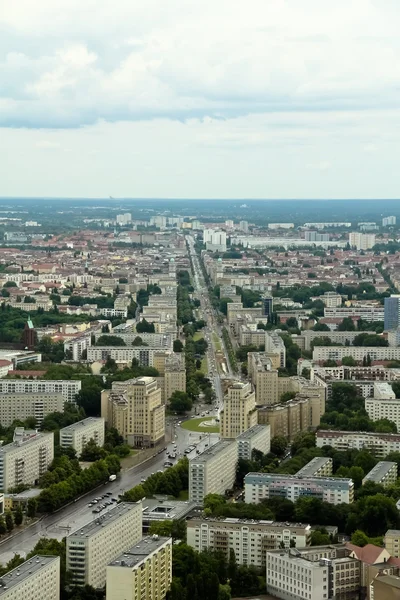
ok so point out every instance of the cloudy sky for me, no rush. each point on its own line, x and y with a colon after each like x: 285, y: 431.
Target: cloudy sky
x: 200, y: 98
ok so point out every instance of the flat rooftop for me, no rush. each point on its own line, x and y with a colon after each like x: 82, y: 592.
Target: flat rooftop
x: 24, y: 571
x: 211, y: 451
x: 380, y: 470
x: 252, y: 431
x: 84, y: 423
x: 248, y: 522
x: 154, y: 509
x: 139, y: 552
x: 105, y: 520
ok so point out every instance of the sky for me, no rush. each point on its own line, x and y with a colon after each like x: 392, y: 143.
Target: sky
x: 200, y: 98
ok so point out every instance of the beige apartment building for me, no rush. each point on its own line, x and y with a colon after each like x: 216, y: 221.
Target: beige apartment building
x: 320, y: 466
x: 92, y: 547
x: 381, y: 444
x: 392, y: 542
x: 135, y: 409
x: 213, y: 471
x: 26, y: 459
x: 174, y: 374
x: 239, y: 412
x: 292, y: 417
x: 79, y: 434
x: 36, y: 579
x: 384, y: 473
x: 22, y: 406
x: 249, y: 539
x: 144, y: 572
x: 383, y: 408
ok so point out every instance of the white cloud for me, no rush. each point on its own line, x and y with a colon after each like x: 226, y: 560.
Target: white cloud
x: 47, y: 145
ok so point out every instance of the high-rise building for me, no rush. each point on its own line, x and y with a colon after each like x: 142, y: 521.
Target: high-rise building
x: 144, y: 572
x: 213, y: 471
x: 135, y: 409
x: 19, y: 407
x: 37, y: 578
x: 392, y: 312
x: 239, y: 412
x: 268, y: 306
x: 388, y: 221
x: 26, y: 459
x: 315, y: 236
x: 244, y: 226
x: 124, y: 219
x: 257, y: 437
x: 174, y: 374
x: 79, y: 434
x: 66, y: 388
x: 362, y: 241
x: 92, y: 547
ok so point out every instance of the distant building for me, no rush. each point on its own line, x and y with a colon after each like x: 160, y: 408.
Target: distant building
x: 268, y: 306
x: 213, y: 471
x: 29, y: 335
x: 37, y: 578
x: 392, y: 312
x: 381, y: 444
x: 320, y: 466
x: 384, y: 473
x: 314, y: 236
x: 388, y: 221
x: 79, y: 434
x: 66, y: 388
x: 362, y: 241
x: 19, y: 407
x: 239, y: 412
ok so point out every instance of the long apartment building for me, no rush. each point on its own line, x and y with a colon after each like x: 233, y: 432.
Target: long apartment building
x: 124, y: 354
x: 248, y: 538
x: 322, y: 353
x: 334, y: 490
x: 36, y: 579
x: 68, y: 389
x: 383, y: 473
x: 92, y: 547
x: 135, y: 409
x: 26, y: 459
x: 383, y: 408
x: 153, y: 340
x: 257, y: 437
x: 317, y: 573
x: 144, y: 572
x: 79, y: 434
x: 239, y: 412
x: 367, y: 313
x: 213, y: 471
x: 320, y: 466
x: 381, y: 444
x: 275, y: 344
x: 292, y: 417
x: 20, y: 407
x: 362, y: 377
x: 336, y: 337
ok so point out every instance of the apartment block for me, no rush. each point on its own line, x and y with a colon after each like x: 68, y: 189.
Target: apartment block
x: 292, y: 417
x: 335, y: 490
x: 239, y: 412
x: 213, y: 471
x: 26, y: 459
x: 135, y: 409
x: 79, y: 434
x: 274, y: 343
x: 381, y: 444
x: 124, y: 354
x: 320, y: 466
x: 362, y: 377
x: 323, y: 353
x: 37, y: 578
x: 367, y: 313
x: 250, y: 539
x: 257, y: 437
x: 392, y: 542
x: 153, y: 340
x: 317, y: 573
x: 77, y: 345
x: 174, y: 374
x: 362, y: 241
x: 68, y: 389
x: 144, y: 572
x: 21, y: 406
x: 383, y: 473
x: 392, y: 312
x: 378, y: 408
x: 92, y: 547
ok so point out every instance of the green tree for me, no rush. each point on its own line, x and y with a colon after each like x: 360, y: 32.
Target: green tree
x: 349, y: 361
x: 31, y: 508
x: 346, y: 325
x: 178, y: 346
x: 180, y: 402
x: 9, y: 521
x: 18, y: 516
x: 145, y: 327
x: 358, y: 538
x: 3, y: 527
x: 279, y: 445
x: 213, y: 501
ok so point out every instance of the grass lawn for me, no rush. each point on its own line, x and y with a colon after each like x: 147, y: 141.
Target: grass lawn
x: 217, y: 342
x: 204, y: 366
x: 198, y: 336
x: 195, y: 425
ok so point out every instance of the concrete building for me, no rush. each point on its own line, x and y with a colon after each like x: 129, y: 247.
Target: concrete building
x: 79, y: 434
x: 22, y: 406
x: 164, y: 508
x: 174, y: 374
x: 388, y: 221
x: 383, y: 391
x: 67, y: 388
x: 92, y: 547
x: 213, y: 471
x: 257, y: 437
x: 392, y: 312
x: 381, y: 444
x: 144, y: 572
x: 331, y: 299
x: 77, y: 345
x: 335, y: 490
x: 244, y: 226
x: 384, y: 473
x: 215, y: 240
x: 134, y: 407
x: 385, y: 587
x: 239, y: 412
x: 274, y: 343
x: 250, y: 539
x: 37, y: 578
x: 26, y: 459
x: 320, y: 466
x: 378, y: 408
x: 362, y: 241
x: 317, y: 573
x: 293, y: 417
x: 124, y: 354
x: 315, y: 236
x: 323, y: 353
x: 392, y: 542
x: 367, y: 313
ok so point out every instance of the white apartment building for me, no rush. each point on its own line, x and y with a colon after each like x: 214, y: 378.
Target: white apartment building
x: 152, y: 340
x: 320, y: 466
x: 144, y: 572
x: 367, y: 313
x: 134, y: 407
x: 21, y: 406
x: 215, y: 240
x: 124, y: 354
x: 383, y: 473
x: 257, y: 437
x: 239, y: 412
x: 378, y: 408
x: 274, y: 343
x: 67, y: 388
x: 250, y: 539
x: 338, y: 337
x: 79, y: 434
x: 124, y: 218
x: 317, y: 573
x: 213, y: 471
x: 75, y: 346
x: 26, y: 459
x: 383, y: 391
x: 36, y: 579
x: 322, y: 353
x: 92, y: 547
x: 362, y: 241
x: 381, y: 444
x: 388, y: 221
x: 335, y: 490
x: 392, y: 542
x: 331, y: 299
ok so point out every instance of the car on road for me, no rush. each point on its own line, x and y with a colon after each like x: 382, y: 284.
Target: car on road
x: 96, y: 510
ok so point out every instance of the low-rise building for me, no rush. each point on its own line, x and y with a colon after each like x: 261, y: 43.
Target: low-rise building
x: 335, y: 490
x: 26, y: 459
x: 38, y: 577
x: 257, y: 437
x: 392, y: 542
x: 144, y: 572
x: 383, y: 473
x: 92, y: 547
x: 320, y: 466
x: 250, y: 539
x: 213, y: 471
x: 79, y: 434
x: 160, y: 509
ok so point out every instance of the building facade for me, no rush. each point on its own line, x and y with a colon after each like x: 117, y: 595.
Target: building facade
x: 257, y: 437
x: 381, y: 444
x: 19, y: 407
x: 213, y: 471
x: 239, y: 412
x: 37, y: 578
x: 384, y: 473
x: 79, y: 434
x: 67, y: 388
